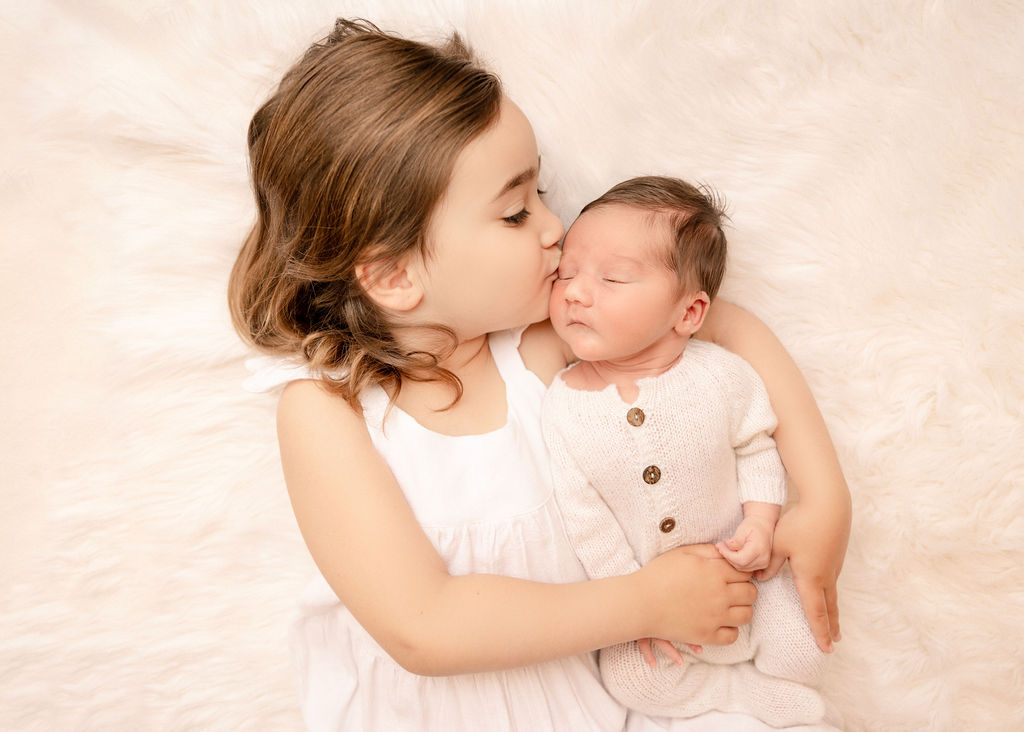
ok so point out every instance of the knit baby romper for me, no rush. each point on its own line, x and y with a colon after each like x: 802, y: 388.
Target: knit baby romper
x: 671, y: 469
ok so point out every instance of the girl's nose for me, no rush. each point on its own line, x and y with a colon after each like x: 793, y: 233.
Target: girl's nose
x: 552, y: 229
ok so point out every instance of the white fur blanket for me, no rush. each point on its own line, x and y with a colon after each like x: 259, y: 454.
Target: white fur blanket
x: 873, y: 158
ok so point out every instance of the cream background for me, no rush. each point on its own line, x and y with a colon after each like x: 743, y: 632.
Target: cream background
x: 873, y: 158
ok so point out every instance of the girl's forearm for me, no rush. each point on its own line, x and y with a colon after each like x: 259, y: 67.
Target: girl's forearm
x: 487, y: 622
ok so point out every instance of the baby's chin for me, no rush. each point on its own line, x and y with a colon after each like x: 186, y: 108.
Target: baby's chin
x: 584, y: 348
x: 561, y: 328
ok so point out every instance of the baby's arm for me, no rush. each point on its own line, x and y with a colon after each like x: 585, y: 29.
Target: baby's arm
x: 594, y: 533
x: 369, y: 547
x: 813, y: 533
x: 760, y: 477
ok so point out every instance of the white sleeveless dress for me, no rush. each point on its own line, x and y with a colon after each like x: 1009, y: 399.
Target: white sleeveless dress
x: 487, y: 505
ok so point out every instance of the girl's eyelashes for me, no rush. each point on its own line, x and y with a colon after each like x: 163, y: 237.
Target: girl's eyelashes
x: 517, y: 218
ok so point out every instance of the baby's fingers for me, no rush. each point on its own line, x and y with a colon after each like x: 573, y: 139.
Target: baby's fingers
x: 669, y: 650
x: 746, y: 559
x: 646, y: 651
x: 774, y: 565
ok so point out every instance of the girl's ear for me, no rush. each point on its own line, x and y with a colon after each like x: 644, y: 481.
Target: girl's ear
x: 693, y: 316
x: 392, y: 285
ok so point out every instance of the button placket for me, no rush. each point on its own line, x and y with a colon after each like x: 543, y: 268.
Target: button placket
x: 652, y: 473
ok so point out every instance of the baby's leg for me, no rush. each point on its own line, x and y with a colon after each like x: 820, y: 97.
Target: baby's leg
x: 666, y: 690
x: 696, y: 688
x: 776, y: 701
x: 780, y: 635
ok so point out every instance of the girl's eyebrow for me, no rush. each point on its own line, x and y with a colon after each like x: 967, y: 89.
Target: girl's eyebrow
x: 519, y: 178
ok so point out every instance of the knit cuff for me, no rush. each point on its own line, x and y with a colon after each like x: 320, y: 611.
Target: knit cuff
x: 761, y: 477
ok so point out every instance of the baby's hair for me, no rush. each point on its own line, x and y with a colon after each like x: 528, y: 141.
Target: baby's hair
x: 349, y: 158
x: 697, y: 250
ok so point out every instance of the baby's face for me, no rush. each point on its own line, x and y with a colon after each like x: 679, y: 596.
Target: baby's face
x: 615, y: 297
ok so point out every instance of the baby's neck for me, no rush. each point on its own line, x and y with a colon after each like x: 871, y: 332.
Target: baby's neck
x: 624, y: 373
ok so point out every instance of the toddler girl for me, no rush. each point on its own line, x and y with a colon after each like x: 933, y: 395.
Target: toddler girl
x: 658, y: 442
x: 399, y: 254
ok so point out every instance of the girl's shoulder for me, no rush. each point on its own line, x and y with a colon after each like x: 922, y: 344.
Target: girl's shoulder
x: 304, y: 399
x: 543, y: 352
x: 307, y: 405
x: 319, y: 434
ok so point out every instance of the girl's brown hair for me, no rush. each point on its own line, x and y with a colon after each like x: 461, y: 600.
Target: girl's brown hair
x: 697, y: 249
x: 349, y: 157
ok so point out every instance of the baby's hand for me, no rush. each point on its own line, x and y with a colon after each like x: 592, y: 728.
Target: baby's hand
x: 667, y: 648
x: 750, y: 548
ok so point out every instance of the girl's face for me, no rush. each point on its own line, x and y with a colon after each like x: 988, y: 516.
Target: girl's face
x: 492, y: 244
x: 615, y: 299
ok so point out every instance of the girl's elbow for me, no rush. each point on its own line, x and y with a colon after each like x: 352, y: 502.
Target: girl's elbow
x: 421, y: 656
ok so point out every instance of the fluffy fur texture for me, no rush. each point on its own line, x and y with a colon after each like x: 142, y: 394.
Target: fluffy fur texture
x: 872, y: 157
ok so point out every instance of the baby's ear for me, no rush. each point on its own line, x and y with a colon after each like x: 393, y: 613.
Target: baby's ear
x: 391, y: 284
x: 692, y: 318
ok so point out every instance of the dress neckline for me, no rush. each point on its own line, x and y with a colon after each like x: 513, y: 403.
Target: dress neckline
x: 375, y: 399
x: 646, y: 385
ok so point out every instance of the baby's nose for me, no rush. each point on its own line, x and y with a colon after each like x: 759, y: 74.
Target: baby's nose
x: 576, y: 291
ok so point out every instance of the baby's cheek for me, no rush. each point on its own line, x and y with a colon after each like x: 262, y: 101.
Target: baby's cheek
x: 555, y: 298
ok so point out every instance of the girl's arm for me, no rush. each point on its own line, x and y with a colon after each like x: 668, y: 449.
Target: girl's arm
x: 374, y: 555
x: 814, y: 532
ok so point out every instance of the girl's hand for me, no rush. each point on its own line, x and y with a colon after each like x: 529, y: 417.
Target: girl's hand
x: 667, y: 648
x: 696, y: 596
x: 814, y: 541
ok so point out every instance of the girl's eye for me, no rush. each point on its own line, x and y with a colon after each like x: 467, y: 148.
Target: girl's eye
x: 517, y: 218
x: 614, y: 282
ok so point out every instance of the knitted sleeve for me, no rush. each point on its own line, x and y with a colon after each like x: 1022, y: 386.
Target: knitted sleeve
x: 592, y: 529
x: 759, y: 472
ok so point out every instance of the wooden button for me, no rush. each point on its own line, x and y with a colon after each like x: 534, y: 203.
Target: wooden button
x: 652, y: 474
x: 635, y: 416
x: 667, y: 525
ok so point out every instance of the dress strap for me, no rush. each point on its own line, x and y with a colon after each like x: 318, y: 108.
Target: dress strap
x: 374, y: 401
x: 522, y: 383
x: 267, y: 373
x: 504, y: 347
